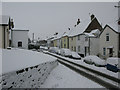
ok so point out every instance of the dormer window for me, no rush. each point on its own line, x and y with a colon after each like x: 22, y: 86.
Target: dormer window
x: 107, y: 37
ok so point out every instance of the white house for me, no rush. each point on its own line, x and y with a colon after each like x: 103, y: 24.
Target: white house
x: 87, y: 44
x: 19, y: 38
x: 110, y: 41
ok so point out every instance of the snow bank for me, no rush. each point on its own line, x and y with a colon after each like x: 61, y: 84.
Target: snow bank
x: 25, y: 68
x: 31, y: 77
x: 17, y: 59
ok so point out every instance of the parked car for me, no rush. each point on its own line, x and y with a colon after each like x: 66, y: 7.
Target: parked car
x: 88, y: 60
x: 92, y: 59
x: 53, y: 49
x: 65, y: 52
x: 113, y: 64
x: 43, y: 48
x: 75, y: 55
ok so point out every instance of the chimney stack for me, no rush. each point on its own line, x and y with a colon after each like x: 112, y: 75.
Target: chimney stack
x: 78, y: 21
x: 68, y: 28
x: 92, y: 16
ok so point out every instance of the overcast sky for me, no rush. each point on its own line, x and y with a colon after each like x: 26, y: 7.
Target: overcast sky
x: 44, y: 19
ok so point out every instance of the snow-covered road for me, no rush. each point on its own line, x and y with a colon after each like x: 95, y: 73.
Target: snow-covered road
x: 63, y: 77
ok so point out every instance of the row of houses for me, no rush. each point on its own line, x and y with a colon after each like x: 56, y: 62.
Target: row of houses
x: 10, y: 37
x: 89, y: 38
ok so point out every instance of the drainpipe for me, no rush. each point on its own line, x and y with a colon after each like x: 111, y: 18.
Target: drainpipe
x: 4, y: 37
x: 89, y: 45
x: 11, y: 38
x: 119, y: 46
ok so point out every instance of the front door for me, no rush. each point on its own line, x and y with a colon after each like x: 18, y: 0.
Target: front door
x: 110, y: 52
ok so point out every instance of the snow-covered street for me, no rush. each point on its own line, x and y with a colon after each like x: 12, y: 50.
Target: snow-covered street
x: 63, y: 77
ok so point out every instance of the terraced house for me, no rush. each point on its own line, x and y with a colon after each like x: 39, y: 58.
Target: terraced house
x: 110, y: 41
x: 65, y: 40
x: 85, y: 37
x: 6, y: 23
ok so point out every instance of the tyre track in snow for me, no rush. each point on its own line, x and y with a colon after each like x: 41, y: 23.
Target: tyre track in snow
x: 96, y: 76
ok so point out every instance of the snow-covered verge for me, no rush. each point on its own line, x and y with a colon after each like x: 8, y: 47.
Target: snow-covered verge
x: 31, y: 77
x: 25, y: 68
x: 16, y: 59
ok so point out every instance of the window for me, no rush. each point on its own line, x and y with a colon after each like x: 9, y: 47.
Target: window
x: 78, y: 37
x: 74, y: 48
x: 107, y: 37
x: 104, y: 51
x: 20, y: 44
x: 78, y: 48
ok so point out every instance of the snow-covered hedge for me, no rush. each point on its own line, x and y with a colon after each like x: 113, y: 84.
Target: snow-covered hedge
x: 31, y: 77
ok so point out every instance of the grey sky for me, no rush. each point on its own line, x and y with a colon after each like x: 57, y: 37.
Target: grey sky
x: 44, y: 19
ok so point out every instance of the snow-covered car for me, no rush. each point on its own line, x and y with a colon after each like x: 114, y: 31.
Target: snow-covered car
x: 88, y: 60
x: 43, y: 48
x: 58, y: 51
x: 98, y: 61
x: 65, y: 52
x: 9, y: 48
x: 53, y: 49
x: 92, y: 59
x: 75, y: 55
x: 113, y: 64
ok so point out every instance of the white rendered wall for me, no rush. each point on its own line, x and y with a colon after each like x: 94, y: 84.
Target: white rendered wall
x: 20, y: 36
x: 113, y: 41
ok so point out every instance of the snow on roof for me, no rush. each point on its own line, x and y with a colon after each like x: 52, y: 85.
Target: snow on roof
x: 114, y: 26
x: 4, y: 19
x: 80, y: 28
x: 95, y: 31
x: 16, y: 59
x: 59, y: 35
x: 89, y: 34
x: 20, y: 30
